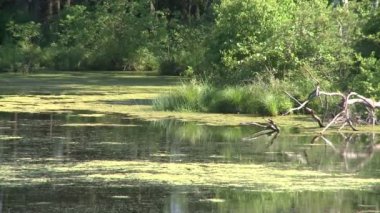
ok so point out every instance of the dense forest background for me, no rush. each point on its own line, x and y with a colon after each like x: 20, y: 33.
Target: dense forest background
x: 222, y: 42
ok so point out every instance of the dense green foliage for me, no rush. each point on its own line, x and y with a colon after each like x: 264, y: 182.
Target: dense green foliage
x: 283, y: 38
x: 220, y: 42
x: 242, y: 41
x: 105, y: 35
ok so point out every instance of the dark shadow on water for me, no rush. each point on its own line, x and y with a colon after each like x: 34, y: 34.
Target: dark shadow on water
x: 57, y: 83
x: 150, y: 198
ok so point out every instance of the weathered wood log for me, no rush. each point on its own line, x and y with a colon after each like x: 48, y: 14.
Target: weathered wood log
x: 270, y: 125
x: 269, y: 128
x: 344, y: 115
x: 307, y: 109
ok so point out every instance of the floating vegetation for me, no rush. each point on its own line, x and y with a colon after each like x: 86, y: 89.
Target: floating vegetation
x: 63, y: 99
x: 213, y: 200
x: 248, y: 176
x: 167, y: 155
x: 95, y: 115
x: 121, y: 197
x: 98, y: 125
x: 9, y: 137
x: 216, y: 156
x: 110, y: 143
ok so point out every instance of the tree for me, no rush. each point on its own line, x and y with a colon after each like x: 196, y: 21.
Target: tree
x: 238, y: 47
x: 26, y: 51
x: 109, y: 36
x: 188, y: 10
x: 282, y: 38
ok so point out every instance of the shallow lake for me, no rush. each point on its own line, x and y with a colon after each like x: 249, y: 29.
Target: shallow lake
x: 33, y: 146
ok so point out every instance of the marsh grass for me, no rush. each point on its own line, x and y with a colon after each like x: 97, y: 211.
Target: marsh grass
x: 185, y: 98
x: 259, y: 99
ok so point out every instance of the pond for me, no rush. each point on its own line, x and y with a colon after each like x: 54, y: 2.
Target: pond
x: 78, y: 161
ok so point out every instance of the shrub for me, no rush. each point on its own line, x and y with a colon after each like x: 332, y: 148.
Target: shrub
x: 8, y: 57
x: 19, y: 59
x: 144, y: 60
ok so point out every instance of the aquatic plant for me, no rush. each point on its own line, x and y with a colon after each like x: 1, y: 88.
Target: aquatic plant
x: 250, y: 99
x: 249, y: 176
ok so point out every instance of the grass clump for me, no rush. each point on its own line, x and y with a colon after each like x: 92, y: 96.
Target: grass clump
x: 184, y: 98
x: 258, y: 99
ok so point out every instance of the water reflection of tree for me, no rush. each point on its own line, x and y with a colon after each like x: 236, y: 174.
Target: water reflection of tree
x: 269, y: 129
x: 269, y: 133
x: 348, y: 152
x: 353, y: 151
x: 1, y: 201
x: 306, y: 201
x: 191, y: 140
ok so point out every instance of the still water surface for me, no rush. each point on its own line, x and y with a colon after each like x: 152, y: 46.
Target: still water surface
x: 59, y: 138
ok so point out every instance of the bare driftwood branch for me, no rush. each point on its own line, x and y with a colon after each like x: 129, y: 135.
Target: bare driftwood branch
x: 269, y: 128
x: 307, y: 109
x: 301, y: 105
x: 331, y: 94
x: 270, y: 125
x: 253, y: 124
x: 344, y: 116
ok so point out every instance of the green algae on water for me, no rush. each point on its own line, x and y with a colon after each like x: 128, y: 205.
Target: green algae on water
x: 249, y: 176
x: 98, y: 125
x: 94, y: 115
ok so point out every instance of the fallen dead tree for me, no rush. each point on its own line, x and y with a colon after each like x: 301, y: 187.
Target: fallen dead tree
x: 269, y: 128
x: 344, y: 115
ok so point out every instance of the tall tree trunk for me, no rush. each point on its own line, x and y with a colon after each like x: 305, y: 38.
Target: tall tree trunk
x: 208, y: 4
x: 34, y: 9
x: 68, y: 2
x: 345, y: 3
x: 49, y: 10
x: 197, y: 12
x: 152, y: 8
x: 375, y: 4
x: 56, y: 6
x: 336, y: 3
x: 189, y: 6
